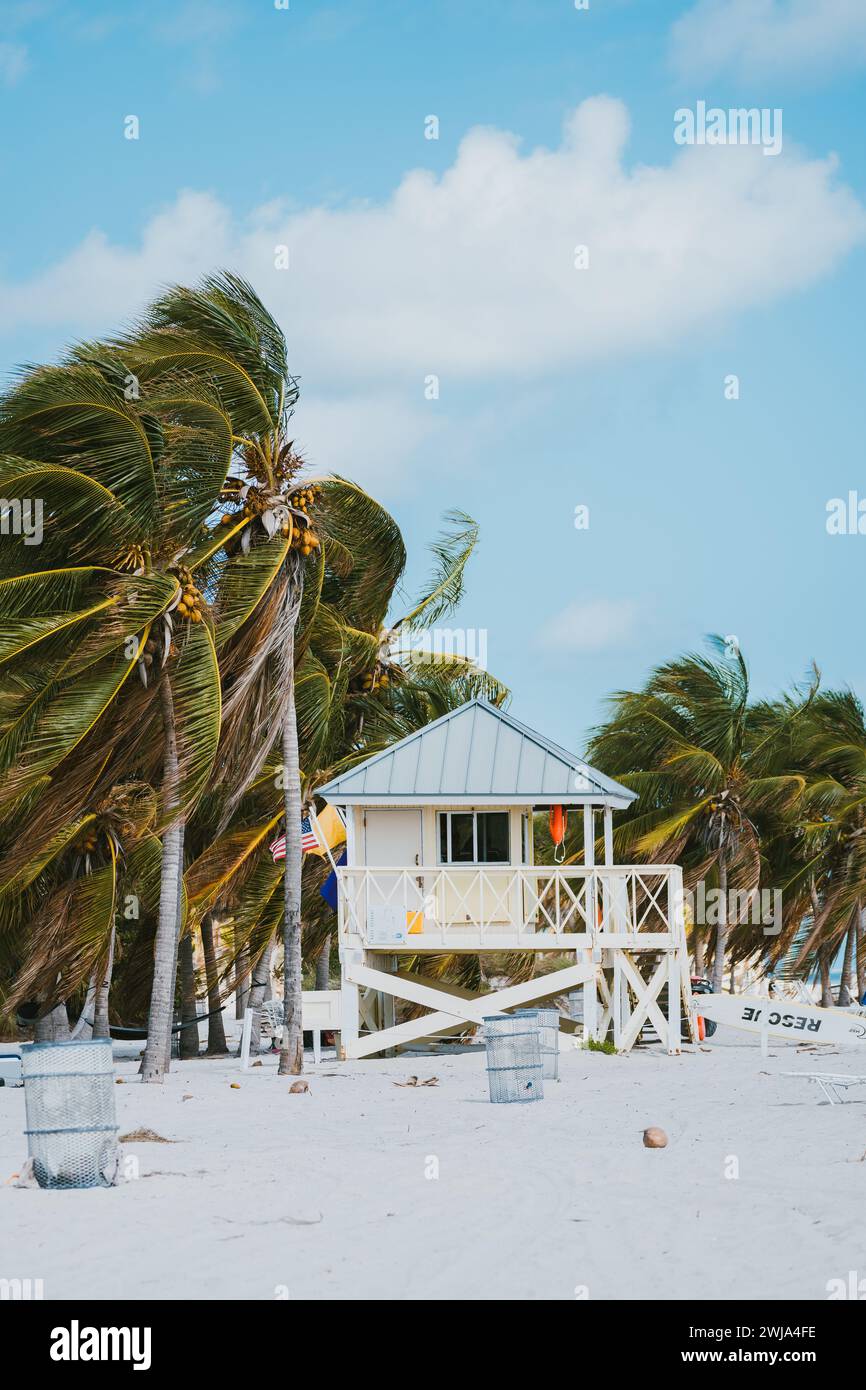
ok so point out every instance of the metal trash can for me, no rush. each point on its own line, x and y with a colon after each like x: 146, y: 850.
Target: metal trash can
x: 71, y: 1121
x: 513, y: 1058
x: 547, y: 1021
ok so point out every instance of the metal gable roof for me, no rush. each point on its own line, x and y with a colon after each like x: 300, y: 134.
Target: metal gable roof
x: 480, y: 755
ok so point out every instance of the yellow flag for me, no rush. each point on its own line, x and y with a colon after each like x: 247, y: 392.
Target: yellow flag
x: 330, y: 830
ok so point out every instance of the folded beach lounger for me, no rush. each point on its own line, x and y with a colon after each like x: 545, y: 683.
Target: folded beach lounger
x: 832, y: 1083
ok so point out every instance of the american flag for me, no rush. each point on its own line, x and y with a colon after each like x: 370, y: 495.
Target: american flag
x: 309, y: 841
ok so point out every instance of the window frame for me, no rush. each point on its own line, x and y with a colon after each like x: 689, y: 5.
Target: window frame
x: 444, y: 817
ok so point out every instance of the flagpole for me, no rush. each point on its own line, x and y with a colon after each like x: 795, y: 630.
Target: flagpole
x: 321, y: 838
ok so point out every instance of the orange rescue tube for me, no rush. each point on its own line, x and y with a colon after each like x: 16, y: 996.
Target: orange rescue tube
x: 558, y: 823
x: 557, y: 820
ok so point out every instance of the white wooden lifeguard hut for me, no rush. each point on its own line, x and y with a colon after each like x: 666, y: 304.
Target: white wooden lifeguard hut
x: 439, y: 858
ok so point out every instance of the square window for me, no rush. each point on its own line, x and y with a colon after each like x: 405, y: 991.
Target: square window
x: 493, y: 837
x: 462, y: 838
x: 474, y: 837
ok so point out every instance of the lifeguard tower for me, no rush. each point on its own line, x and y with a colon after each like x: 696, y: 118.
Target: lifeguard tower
x: 439, y: 858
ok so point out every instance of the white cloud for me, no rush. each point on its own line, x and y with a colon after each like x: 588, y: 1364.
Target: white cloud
x: 188, y: 238
x: 471, y: 275
x: 364, y: 435
x: 14, y: 62
x: 589, y: 625
x: 761, y: 37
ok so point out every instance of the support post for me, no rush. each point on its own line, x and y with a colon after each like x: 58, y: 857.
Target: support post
x: 351, y: 849
x: 388, y: 1005
x: 675, y: 1000
x: 608, y: 883
x: 350, y: 1010
x: 589, y: 836
x: 618, y: 1000
x: 608, y: 835
x: 590, y: 1006
x: 677, y: 917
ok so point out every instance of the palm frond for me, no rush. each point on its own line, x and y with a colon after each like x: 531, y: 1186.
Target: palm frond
x: 452, y: 550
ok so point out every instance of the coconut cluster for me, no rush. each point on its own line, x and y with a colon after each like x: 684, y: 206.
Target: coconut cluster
x: 89, y: 840
x: 304, y: 538
x: 192, y: 600
x: 373, y: 682
x: 289, y: 515
x: 152, y: 649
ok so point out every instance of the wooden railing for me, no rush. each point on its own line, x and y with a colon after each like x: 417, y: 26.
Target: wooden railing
x: 525, y: 907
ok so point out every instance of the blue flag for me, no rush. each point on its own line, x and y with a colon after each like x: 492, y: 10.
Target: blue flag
x: 328, y: 889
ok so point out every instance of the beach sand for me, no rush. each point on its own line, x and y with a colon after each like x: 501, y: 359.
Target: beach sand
x: 267, y: 1195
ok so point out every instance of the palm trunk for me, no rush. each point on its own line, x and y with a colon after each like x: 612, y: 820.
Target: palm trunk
x: 721, y: 931
x: 844, y: 998
x: 700, y: 951
x: 826, y: 987
x: 292, y: 1048
x: 323, y: 965
x: 823, y: 956
x: 83, y: 1029
x: 242, y: 982
x: 261, y: 979
x: 216, y: 1033
x: 157, y: 1052
x: 100, y: 1009
x: 861, y: 953
x: 189, y: 1039
x: 53, y: 1026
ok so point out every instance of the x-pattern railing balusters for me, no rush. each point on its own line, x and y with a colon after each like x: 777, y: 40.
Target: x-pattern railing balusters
x: 575, y: 903
x: 652, y: 902
x: 539, y: 894
x: 461, y: 899
x: 500, y: 903
x: 526, y: 899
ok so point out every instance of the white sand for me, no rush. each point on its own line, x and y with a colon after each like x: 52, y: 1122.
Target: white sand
x: 324, y: 1195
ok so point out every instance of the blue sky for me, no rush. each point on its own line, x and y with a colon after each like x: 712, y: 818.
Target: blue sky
x: 454, y: 257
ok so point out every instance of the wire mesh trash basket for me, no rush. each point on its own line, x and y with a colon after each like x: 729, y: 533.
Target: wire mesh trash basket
x: 71, y: 1121
x: 513, y: 1058
x: 547, y: 1022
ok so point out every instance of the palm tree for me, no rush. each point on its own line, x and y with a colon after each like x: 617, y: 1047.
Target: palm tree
x: 833, y: 832
x: 106, y: 638
x: 705, y: 763
x: 137, y: 446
